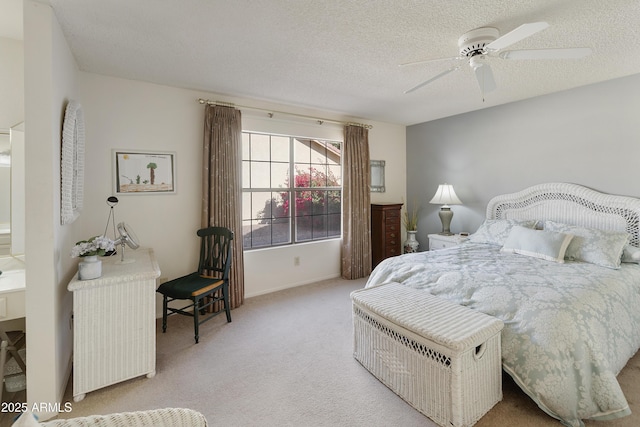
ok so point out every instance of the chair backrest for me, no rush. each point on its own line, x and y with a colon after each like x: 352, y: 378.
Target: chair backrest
x: 215, y: 251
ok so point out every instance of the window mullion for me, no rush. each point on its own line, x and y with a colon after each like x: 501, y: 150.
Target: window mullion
x: 292, y: 194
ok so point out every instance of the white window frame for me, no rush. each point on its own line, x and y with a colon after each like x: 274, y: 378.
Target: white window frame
x: 292, y: 218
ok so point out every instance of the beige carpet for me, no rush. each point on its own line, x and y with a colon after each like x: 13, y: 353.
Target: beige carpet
x: 286, y: 360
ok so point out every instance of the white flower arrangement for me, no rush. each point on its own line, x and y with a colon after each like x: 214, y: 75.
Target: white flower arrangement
x: 98, y: 245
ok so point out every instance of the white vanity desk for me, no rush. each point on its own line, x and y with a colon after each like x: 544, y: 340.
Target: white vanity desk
x: 12, y: 290
x: 114, y: 324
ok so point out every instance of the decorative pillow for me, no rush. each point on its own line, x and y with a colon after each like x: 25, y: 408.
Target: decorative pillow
x: 600, y: 247
x: 27, y: 419
x: 631, y: 254
x: 547, y: 245
x: 496, y: 231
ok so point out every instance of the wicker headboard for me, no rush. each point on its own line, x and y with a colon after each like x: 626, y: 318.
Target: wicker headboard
x: 570, y: 204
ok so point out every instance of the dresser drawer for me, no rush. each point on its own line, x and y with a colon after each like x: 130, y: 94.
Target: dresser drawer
x: 391, y: 251
x: 392, y: 226
x: 438, y: 241
x: 440, y: 244
x: 392, y: 214
x: 392, y: 236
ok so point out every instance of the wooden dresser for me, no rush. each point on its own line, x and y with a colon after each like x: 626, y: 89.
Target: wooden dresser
x: 385, y: 231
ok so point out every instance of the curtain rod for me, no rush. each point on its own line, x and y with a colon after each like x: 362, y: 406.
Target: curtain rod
x: 271, y: 113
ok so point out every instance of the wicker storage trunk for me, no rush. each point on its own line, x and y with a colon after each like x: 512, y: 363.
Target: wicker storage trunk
x: 440, y: 357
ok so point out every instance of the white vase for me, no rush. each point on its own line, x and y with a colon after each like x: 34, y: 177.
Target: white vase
x: 411, y: 244
x: 89, y: 268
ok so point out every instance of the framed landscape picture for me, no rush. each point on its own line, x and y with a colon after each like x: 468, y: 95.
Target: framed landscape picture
x: 144, y: 172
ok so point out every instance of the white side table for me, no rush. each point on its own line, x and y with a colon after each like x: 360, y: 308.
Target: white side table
x: 114, y: 329
x: 441, y: 241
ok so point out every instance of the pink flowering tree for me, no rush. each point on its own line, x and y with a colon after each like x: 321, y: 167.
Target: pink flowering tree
x: 308, y: 201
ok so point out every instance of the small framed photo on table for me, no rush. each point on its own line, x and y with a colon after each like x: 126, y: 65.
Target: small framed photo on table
x: 144, y: 172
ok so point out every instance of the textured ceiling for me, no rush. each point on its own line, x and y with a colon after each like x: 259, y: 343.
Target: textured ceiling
x: 343, y: 55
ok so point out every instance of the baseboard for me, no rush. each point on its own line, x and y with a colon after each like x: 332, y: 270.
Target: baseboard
x: 266, y: 291
x: 290, y: 285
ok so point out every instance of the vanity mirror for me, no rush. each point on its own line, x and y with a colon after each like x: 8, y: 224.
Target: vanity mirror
x: 12, y: 189
x: 5, y: 193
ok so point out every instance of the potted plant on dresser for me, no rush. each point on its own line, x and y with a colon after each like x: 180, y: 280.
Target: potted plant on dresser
x: 410, y: 222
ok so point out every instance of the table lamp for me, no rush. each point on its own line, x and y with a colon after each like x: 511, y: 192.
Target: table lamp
x: 445, y: 196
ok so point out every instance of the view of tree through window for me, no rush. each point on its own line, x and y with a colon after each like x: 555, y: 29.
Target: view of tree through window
x: 292, y: 189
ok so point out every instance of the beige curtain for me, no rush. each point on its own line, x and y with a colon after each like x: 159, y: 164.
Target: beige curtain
x: 356, y: 203
x: 222, y: 185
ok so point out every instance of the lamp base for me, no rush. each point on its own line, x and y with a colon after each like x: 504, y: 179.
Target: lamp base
x: 445, y: 215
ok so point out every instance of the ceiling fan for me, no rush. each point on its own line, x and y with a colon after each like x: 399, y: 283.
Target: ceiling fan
x: 476, y: 46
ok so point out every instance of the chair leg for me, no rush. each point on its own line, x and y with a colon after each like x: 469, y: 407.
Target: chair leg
x: 164, y: 314
x: 225, y: 297
x: 196, y: 321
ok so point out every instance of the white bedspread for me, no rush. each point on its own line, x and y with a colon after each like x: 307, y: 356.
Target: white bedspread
x: 569, y: 328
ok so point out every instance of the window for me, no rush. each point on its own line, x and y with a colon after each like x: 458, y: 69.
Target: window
x: 292, y: 190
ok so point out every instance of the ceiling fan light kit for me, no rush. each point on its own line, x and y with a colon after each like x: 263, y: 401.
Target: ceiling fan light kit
x: 477, y: 46
x: 474, y: 42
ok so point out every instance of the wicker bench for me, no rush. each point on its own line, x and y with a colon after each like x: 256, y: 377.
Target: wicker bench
x: 440, y: 357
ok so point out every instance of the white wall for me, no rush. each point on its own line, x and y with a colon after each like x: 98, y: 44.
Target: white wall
x: 50, y: 81
x: 137, y: 115
x: 589, y: 136
x: 11, y: 82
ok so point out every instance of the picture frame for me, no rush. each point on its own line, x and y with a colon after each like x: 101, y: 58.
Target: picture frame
x: 144, y: 172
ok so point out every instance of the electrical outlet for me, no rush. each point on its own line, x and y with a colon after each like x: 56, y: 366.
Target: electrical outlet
x: 296, y: 260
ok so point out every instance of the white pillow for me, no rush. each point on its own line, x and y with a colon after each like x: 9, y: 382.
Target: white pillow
x: 631, y: 254
x: 547, y: 245
x: 600, y: 247
x: 496, y: 231
x: 27, y: 419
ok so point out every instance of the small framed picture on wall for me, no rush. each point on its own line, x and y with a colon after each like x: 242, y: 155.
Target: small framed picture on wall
x: 144, y: 172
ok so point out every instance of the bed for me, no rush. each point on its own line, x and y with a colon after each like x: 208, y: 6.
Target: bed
x: 569, y: 304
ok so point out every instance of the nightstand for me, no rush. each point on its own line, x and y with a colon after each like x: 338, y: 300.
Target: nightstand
x: 441, y: 241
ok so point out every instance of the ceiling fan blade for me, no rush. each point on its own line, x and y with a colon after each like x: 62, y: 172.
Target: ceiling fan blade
x: 570, y: 53
x: 442, y: 74
x: 425, y: 61
x: 484, y: 75
x: 522, y: 32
